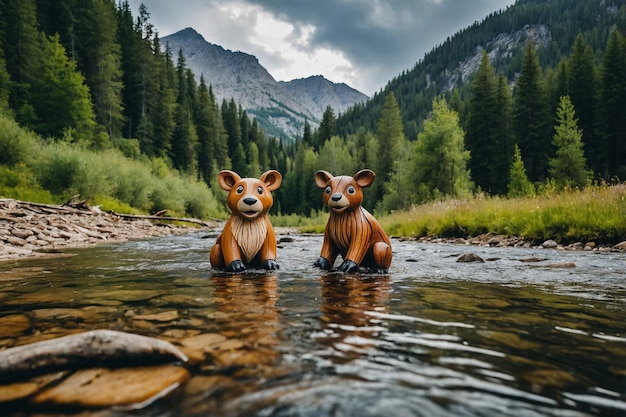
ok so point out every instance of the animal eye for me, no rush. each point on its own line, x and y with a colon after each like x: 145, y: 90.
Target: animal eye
x: 328, y: 190
x: 239, y: 189
x: 259, y: 190
x: 351, y: 190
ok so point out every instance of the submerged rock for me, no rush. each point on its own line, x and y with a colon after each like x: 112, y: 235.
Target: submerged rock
x: 470, y: 257
x: 133, y: 388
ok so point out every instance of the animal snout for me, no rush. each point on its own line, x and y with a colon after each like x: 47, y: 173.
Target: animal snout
x: 336, y: 197
x: 250, y: 201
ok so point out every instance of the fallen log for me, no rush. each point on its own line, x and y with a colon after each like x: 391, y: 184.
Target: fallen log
x: 156, y: 217
x: 83, y: 350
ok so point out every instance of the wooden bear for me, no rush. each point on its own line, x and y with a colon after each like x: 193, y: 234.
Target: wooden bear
x: 351, y: 230
x: 248, y: 237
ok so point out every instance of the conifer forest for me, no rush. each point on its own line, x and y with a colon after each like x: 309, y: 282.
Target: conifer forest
x: 90, y: 78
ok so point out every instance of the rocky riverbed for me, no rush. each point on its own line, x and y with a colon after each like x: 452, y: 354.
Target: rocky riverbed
x: 36, y: 230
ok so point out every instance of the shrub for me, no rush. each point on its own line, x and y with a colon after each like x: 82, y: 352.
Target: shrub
x: 15, y: 142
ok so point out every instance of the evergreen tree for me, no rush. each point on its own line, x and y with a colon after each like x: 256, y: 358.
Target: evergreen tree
x: 519, y: 185
x: 254, y: 166
x: 481, y: 137
x: 611, y: 110
x: 22, y: 54
x: 204, y: 119
x: 335, y: 157
x: 99, y: 60
x: 230, y: 119
x: 59, y: 95
x: 569, y: 166
x: 327, y: 129
x: 365, y: 150
x: 307, y: 136
x: 390, y: 136
x: 163, y: 108
x: 399, y: 190
x: 185, y: 138
x: 583, y: 91
x: 503, y: 136
x: 440, y: 158
x: 5, y: 87
x: 530, y: 116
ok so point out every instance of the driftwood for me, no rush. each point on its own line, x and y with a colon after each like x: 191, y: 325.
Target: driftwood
x: 158, y: 217
x: 85, y: 349
x: 81, y: 207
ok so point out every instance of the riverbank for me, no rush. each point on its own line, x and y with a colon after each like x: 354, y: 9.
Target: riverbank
x: 30, y: 230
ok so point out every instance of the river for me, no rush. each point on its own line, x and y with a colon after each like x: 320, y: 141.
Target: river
x: 529, y: 332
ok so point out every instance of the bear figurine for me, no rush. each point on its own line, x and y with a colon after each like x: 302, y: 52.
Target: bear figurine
x: 351, y: 230
x: 248, y: 238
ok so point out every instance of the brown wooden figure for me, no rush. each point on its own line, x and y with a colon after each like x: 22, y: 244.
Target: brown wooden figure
x: 351, y: 230
x: 248, y: 237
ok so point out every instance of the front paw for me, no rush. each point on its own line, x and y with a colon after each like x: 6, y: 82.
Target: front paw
x: 322, y: 263
x: 348, y: 266
x: 236, y: 266
x: 270, y: 264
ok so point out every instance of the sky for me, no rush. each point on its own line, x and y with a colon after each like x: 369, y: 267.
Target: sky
x: 363, y: 43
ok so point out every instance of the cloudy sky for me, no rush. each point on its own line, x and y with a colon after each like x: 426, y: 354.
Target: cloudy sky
x: 363, y: 43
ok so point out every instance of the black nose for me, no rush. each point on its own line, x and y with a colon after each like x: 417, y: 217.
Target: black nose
x: 249, y: 201
x: 336, y: 197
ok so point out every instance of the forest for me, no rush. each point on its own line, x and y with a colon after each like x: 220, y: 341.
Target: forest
x: 92, y: 103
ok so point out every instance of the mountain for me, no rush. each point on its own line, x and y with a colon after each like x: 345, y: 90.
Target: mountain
x: 280, y: 108
x: 551, y: 24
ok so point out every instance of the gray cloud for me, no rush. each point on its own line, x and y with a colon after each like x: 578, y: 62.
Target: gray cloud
x: 379, y: 38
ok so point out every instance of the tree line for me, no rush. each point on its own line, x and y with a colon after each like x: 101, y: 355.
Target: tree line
x: 91, y: 74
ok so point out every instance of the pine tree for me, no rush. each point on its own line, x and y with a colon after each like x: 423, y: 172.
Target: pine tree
x: 390, y: 136
x: 22, y: 54
x: 583, y: 91
x: 440, y: 158
x: 530, y: 116
x: 204, y: 119
x: 59, y: 95
x: 483, y: 118
x: 327, y: 128
x: 185, y: 138
x: 307, y: 136
x: 611, y: 110
x: 519, y: 185
x: 99, y: 59
x: 569, y: 166
x: 503, y: 137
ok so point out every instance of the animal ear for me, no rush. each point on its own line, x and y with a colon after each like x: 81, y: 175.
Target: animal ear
x: 272, y: 179
x: 322, y: 178
x: 227, y: 179
x: 364, y: 177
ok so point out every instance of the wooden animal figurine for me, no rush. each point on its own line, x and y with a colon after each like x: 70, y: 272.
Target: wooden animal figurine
x: 248, y: 237
x: 351, y: 230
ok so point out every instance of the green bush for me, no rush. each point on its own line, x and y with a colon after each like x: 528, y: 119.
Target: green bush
x: 15, y: 142
x: 52, y: 171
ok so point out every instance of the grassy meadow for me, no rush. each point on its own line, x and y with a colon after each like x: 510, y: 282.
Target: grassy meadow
x: 596, y: 213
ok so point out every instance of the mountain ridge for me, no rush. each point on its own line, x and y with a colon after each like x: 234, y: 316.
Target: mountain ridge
x: 281, y: 107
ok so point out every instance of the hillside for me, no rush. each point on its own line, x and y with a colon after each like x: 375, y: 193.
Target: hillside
x: 280, y: 107
x: 552, y: 25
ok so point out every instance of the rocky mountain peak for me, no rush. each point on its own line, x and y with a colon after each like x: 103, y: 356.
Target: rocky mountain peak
x: 281, y: 108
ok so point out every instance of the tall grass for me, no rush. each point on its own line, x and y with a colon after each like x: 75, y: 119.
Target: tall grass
x: 595, y: 213
x: 52, y: 171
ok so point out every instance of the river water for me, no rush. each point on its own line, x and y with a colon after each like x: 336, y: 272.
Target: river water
x: 529, y: 332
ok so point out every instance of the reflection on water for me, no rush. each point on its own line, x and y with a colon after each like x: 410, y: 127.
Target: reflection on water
x: 431, y: 338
